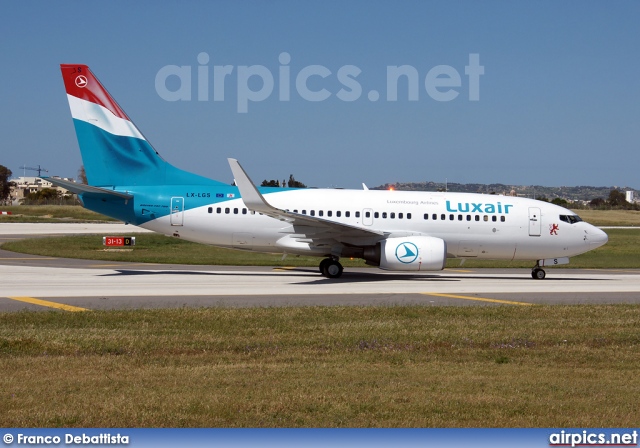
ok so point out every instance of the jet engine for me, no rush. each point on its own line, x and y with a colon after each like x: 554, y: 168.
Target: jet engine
x: 415, y: 253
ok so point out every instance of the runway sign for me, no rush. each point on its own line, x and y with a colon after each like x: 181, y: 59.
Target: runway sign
x: 118, y: 241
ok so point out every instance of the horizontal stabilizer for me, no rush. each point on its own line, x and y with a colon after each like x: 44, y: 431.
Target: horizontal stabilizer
x: 82, y: 188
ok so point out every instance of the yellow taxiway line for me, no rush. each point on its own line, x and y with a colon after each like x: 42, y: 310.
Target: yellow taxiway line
x: 479, y: 299
x: 41, y: 302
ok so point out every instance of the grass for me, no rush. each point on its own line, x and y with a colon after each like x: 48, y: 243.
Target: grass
x: 50, y: 213
x: 155, y: 248
x: 622, y: 251
x: 610, y: 217
x: 541, y: 366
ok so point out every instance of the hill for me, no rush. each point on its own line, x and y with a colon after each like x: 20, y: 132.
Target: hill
x: 579, y: 193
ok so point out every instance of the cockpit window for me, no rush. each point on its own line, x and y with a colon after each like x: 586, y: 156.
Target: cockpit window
x: 571, y: 219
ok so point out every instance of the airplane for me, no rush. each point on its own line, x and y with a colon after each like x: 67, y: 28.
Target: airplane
x: 393, y: 230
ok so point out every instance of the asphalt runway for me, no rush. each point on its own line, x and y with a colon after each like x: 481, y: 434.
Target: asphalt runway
x: 41, y: 283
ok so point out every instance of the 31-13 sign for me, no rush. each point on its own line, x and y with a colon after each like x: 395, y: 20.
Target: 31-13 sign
x: 118, y: 241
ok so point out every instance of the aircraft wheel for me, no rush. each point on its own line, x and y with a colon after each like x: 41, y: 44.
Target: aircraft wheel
x: 332, y: 269
x: 323, y: 266
x: 538, y: 274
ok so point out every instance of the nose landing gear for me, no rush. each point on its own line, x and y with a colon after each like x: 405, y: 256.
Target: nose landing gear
x: 538, y: 273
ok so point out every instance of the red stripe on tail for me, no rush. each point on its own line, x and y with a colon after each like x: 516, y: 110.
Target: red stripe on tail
x: 80, y: 82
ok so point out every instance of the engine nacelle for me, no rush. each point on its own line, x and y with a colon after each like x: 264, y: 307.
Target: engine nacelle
x: 414, y: 253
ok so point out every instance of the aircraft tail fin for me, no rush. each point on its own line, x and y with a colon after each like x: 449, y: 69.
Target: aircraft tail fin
x: 114, y: 151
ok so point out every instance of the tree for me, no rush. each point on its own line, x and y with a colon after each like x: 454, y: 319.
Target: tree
x: 82, y: 175
x: 617, y: 199
x: 559, y: 201
x: 294, y: 183
x: 597, y: 202
x: 44, y: 196
x: 5, y: 174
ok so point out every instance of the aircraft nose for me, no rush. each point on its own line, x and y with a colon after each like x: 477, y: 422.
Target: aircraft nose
x: 597, y: 237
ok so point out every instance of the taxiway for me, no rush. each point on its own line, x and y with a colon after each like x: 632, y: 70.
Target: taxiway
x: 34, y: 282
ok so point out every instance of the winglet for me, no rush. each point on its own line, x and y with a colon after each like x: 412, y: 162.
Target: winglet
x: 250, y: 194
x: 257, y: 203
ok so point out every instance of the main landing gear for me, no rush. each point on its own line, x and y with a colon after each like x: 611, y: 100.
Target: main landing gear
x: 538, y: 273
x: 331, y: 268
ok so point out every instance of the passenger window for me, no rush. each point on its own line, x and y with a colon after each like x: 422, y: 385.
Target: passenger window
x: 329, y: 213
x: 376, y: 214
x: 468, y: 217
x: 502, y: 219
x: 426, y: 216
x: 227, y: 210
x: 357, y: 214
x: 320, y: 213
x: 408, y: 215
x: 338, y: 213
x: 494, y: 218
x: 235, y: 211
x: 384, y: 215
x: 477, y: 217
x: 392, y: 215
x: 304, y: 212
x: 486, y: 218
x: 218, y: 210
x: 400, y: 215
x: 459, y: 217
x: 452, y: 217
x: 312, y: 213
x: 210, y: 209
x: 295, y: 211
x: 244, y: 211
x: 367, y: 215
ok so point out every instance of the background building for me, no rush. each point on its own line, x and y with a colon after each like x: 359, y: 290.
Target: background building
x: 25, y: 185
x: 630, y: 196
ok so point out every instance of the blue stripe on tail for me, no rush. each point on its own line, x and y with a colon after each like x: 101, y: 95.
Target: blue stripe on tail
x: 112, y: 160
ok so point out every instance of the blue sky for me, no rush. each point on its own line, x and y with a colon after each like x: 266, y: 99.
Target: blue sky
x: 558, y: 101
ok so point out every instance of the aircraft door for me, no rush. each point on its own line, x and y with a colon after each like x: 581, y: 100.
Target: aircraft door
x: 367, y: 217
x: 177, y: 211
x: 535, y: 223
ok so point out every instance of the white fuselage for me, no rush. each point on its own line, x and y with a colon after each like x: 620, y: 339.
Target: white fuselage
x: 472, y: 225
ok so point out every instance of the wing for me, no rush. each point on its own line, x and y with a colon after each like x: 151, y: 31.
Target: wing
x: 312, y: 230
